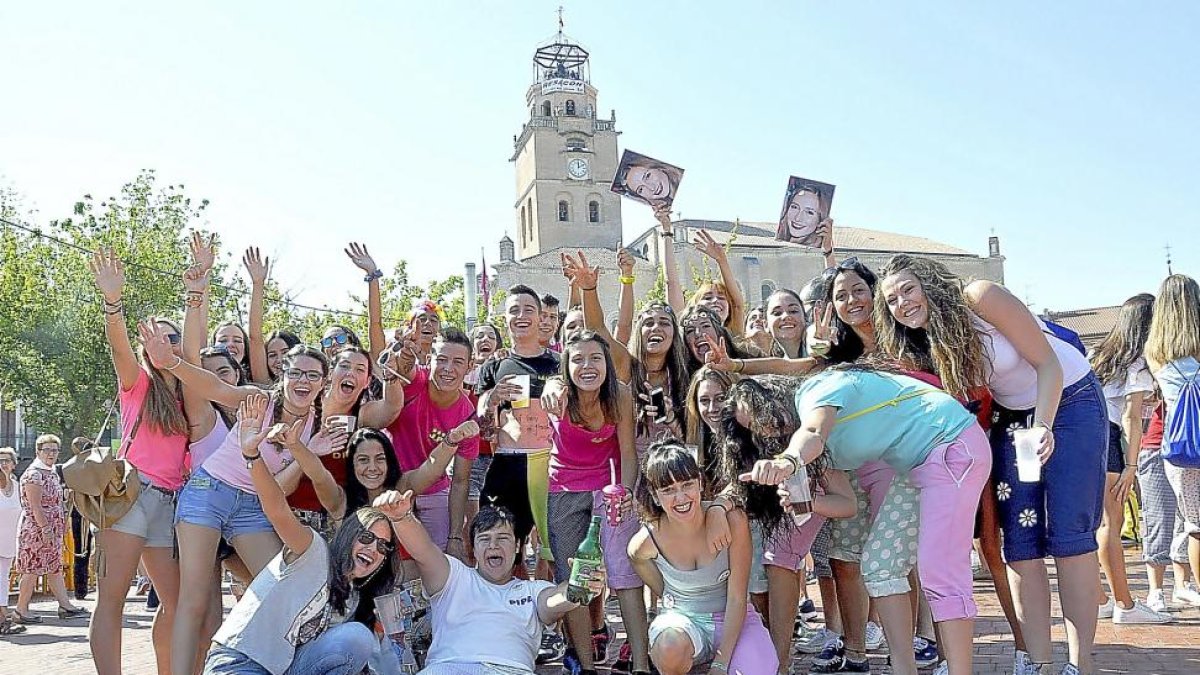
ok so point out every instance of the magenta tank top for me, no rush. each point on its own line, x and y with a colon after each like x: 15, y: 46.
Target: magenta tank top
x: 580, y: 459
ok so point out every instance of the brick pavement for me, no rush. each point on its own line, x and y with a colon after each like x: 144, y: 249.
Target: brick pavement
x: 61, y: 647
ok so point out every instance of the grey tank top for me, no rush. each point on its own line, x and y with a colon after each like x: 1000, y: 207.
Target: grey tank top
x: 703, y: 590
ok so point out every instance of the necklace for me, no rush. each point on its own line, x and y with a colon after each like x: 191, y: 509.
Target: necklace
x: 293, y: 412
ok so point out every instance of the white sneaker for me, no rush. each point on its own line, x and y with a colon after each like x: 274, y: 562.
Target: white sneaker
x: 1069, y: 669
x: 1187, y: 595
x: 1156, y: 600
x: 812, y: 641
x: 875, y: 639
x: 1139, y: 613
x: 1105, y: 611
x: 943, y: 668
x: 1023, y: 666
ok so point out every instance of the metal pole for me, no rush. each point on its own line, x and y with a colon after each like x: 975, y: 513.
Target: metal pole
x: 470, y: 286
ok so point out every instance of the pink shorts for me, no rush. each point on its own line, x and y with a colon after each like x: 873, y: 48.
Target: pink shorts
x: 614, y: 542
x: 790, y: 545
x: 434, y: 513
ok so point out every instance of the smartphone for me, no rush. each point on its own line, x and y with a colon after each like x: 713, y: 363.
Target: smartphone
x: 658, y: 399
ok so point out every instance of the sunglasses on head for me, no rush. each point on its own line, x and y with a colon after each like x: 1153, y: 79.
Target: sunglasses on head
x: 367, y: 537
x: 850, y: 264
x: 173, y: 338
x: 339, y: 339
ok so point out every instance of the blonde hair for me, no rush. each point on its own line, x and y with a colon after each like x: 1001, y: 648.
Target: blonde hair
x: 10, y: 453
x: 47, y: 438
x: 720, y: 287
x: 950, y: 346
x: 1175, y: 327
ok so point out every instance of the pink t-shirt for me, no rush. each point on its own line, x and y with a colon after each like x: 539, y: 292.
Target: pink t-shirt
x: 421, y: 425
x: 227, y: 465
x: 158, y: 457
x: 580, y: 460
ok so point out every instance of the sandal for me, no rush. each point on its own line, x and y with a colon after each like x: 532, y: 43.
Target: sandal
x: 7, y: 627
x: 20, y: 618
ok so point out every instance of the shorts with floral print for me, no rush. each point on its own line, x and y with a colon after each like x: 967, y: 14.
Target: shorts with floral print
x: 884, y: 546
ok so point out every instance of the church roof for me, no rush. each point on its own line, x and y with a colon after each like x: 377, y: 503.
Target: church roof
x: 1091, y: 324
x: 762, y: 235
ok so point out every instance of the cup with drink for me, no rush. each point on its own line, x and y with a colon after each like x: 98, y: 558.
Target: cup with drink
x: 614, y: 496
x: 799, y: 495
x: 522, y: 399
x: 1029, y: 465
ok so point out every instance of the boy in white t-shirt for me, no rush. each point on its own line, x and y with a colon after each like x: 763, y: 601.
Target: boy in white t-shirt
x: 484, y: 620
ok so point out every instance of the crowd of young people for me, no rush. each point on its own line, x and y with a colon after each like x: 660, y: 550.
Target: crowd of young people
x: 426, y: 462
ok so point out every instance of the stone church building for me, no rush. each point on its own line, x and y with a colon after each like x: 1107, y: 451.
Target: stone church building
x: 565, y: 157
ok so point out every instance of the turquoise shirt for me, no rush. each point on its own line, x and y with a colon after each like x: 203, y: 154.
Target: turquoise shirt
x: 902, y: 434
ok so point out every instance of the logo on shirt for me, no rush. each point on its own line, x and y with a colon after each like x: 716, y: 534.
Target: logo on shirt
x: 436, y: 436
x: 520, y: 602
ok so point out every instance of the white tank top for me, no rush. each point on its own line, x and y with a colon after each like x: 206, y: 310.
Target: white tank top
x: 1013, y: 380
x: 10, y: 516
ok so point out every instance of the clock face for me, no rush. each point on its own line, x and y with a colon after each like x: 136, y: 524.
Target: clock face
x: 577, y: 168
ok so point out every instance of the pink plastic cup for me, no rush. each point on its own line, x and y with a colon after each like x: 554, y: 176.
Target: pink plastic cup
x: 613, y: 496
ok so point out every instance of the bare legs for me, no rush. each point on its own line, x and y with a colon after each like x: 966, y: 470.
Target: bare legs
x: 853, y: 605
x: 57, y: 586
x: 121, y: 554
x: 783, y: 589
x: 1111, y: 554
x: 637, y: 627
x: 197, y: 555
x: 1077, y: 593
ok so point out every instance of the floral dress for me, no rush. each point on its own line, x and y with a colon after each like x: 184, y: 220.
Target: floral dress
x: 40, y: 551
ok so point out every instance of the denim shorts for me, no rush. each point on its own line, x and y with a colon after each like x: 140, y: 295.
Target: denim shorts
x: 211, y: 503
x: 151, y: 517
x: 1058, y: 515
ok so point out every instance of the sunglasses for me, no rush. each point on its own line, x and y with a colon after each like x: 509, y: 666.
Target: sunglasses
x: 339, y: 339
x: 310, y: 375
x: 174, y: 338
x: 367, y: 537
x: 850, y: 264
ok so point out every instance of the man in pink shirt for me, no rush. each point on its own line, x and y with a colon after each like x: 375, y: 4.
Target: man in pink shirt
x: 434, y: 404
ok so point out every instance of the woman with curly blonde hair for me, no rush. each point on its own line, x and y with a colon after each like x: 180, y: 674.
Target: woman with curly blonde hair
x: 979, y: 334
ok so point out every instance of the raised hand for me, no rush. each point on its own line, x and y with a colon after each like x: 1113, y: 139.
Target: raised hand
x: 328, y: 441
x: 462, y: 432
x: 286, y: 435
x: 579, y: 272
x: 251, y: 413
x: 394, y: 505
x: 823, y: 335
x: 825, y: 236
x: 256, y: 265
x: 705, y: 244
x: 361, y: 258
x: 717, y: 357
x: 153, y: 338
x: 109, y: 274
x: 195, y: 279
x: 662, y: 213
x: 625, y: 262
x: 554, y: 396
x: 204, y: 253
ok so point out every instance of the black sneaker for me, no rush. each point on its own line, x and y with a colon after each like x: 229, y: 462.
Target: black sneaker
x: 553, y: 646
x: 808, y: 611
x: 843, y: 665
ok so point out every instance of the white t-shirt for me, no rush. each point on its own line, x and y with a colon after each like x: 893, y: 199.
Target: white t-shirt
x: 1137, y: 379
x: 475, y: 621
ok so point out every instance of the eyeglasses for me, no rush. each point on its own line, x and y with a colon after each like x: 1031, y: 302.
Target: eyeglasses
x: 340, y: 339
x: 850, y: 264
x: 367, y: 537
x: 173, y: 338
x: 48, y: 448
x: 310, y: 375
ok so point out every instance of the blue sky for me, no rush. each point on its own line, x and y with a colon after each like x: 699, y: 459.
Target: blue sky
x: 1068, y: 128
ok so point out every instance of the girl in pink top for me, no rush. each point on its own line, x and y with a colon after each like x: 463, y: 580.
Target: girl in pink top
x: 155, y: 430
x: 593, y: 435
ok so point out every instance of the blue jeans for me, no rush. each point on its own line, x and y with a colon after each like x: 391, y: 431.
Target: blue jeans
x: 341, y: 650
x: 213, y: 503
x: 1058, y: 515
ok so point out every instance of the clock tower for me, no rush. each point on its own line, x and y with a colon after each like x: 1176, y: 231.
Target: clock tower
x: 565, y: 158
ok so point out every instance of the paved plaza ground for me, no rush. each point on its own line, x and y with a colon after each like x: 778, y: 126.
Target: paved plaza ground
x: 60, y: 646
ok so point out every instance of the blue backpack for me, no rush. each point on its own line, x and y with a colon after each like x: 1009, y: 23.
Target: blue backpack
x: 1181, y: 437
x: 1066, y: 335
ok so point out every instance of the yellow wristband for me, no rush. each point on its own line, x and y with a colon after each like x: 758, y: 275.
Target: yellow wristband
x: 628, y: 281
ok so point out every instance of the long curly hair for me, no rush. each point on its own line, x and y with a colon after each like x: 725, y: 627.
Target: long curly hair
x: 950, y: 346
x: 676, y: 361
x: 1126, y: 342
x: 771, y: 397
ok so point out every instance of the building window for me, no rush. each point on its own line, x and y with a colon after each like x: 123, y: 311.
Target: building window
x: 545, y: 108
x: 571, y: 107
x: 593, y: 212
x: 767, y: 289
x: 564, y: 212
x: 576, y: 144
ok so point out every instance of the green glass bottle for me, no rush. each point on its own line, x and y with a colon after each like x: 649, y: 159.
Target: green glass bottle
x: 588, y: 559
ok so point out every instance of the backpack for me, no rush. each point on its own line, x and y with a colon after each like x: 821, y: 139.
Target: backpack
x: 1181, y: 436
x: 1065, y: 334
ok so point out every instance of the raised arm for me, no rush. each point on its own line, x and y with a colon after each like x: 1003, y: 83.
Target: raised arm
x: 200, y: 413
x: 327, y: 441
x: 207, y: 385
x: 586, y: 278
x: 431, y: 562
x: 109, y: 274
x: 252, y: 414
x: 825, y: 234
x: 381, y: 413
x: 431, y: 470
x: 667, y: 232
x: 257, y: 267
x: 362, y: 259
x: 737, y: 303
x: 717, y: 358
x: 625, y: 298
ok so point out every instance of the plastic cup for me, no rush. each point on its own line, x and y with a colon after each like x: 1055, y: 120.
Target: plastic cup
x: 613, y: 496
x: 390, y: 610
x: 349, y: 422
x: 800, y: 495
x: 1029, y: 467
x: 522, y: 401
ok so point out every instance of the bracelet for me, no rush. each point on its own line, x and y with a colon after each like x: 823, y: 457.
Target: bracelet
x: 719, y: 666
x: 453, y: 538
x: 114, y: 307
x: 587, y: 289
x: 377, y: 274
x: 667, y: 234
x: 739, y: 365
x: 717, y: 505
x: 407, y: 516
x: 250, y: 458
x: 178, y: 362
x: 627, y: 280
x: 786, y: 457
